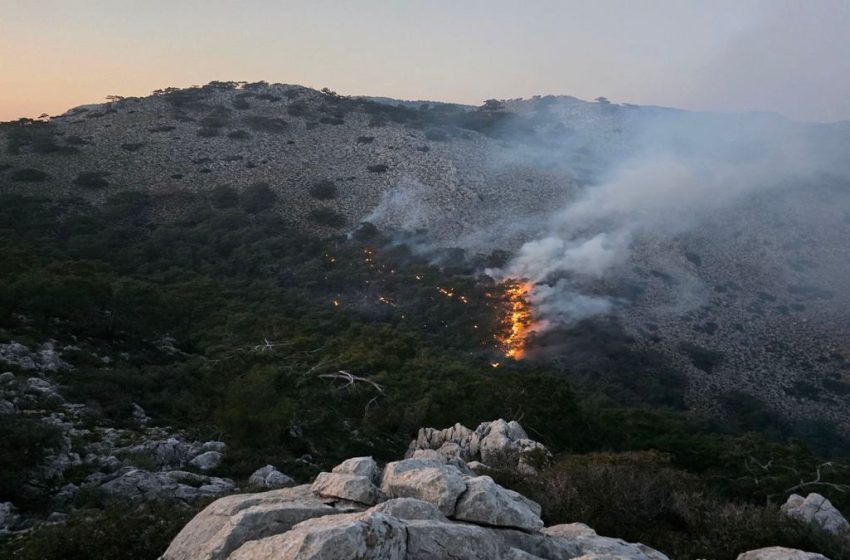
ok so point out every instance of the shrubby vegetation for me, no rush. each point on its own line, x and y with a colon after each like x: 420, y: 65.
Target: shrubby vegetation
x: 264, y: 317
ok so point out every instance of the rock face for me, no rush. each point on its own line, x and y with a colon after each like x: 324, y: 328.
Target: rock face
x: 487, y: 503
x: 498, y: 445
x: 424, y: 479
x: 351, y: 487
x: 816, y: 510
x: 780, y: 553
x: 269, y: 477
x: 428, y: 510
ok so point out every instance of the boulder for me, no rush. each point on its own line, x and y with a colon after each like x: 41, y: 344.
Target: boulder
x: 352, y: 487
x: 207, y: 461
x: 589, y: 543
x: 780, y: 553
x: 365, y: 536
x: 817, y: 511
x: 431, y: 481
x: 410, y: 509
x: 9, y: 518
x: 229, y: 522
x: 6, y: 407
x: 134, y: 484
x: 487, y: 503
x: 498, y: 444
x: 363, y: 466
x: 436, y: 540
x: 269, y: 477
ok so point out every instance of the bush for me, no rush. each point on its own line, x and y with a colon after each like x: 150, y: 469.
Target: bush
x: 117, y: 533
x: 257, y: 197
x: 327, y: 217
x: 29, y: 175
x: 207, y: 132
x: 273, y: 125
x: 24, y: 442
x: 224, y: 196
x: 238, y: 135
x: 324, y: 190
x: 377, y: 168
x: 92, y: 180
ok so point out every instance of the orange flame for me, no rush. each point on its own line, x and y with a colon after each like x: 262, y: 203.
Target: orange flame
x: 518, y: 321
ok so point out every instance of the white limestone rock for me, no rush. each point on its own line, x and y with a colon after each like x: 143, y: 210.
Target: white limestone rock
x: 780, y: 553
x: 352, y: 487
x: 363, y: 466
x: 487, y: 503
x: 269, y: 477
x: 365, y: 536
x: 817, y: 511
x: 431, y: 481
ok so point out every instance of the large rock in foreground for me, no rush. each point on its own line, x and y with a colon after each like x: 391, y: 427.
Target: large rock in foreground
x: 817, y: 511
x: 498, y: 444
x: 780, y: 553
x: 428, y: 510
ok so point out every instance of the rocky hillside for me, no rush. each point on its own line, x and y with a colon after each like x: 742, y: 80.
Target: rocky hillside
x: 749, y: 299
x: 431, y: 505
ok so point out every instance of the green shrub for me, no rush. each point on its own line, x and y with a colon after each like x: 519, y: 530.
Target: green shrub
x: 224, y: 196
x: 327, y: 217
x: 118, y: 533
x: 257, y: 197
x: 272, y: 125
x: 29, y: 175
x: 92, y: 179
x: 324, y: 190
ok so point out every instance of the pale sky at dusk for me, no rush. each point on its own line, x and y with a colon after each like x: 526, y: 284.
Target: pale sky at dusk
x: 739, y: 55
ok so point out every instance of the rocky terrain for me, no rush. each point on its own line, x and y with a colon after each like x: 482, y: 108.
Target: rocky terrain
x: 431, y: 505
x: 749, y: 299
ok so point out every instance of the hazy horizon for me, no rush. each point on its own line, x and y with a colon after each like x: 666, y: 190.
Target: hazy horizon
x: 787, y: 57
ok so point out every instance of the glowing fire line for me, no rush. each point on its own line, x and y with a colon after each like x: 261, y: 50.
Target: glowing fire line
x: 518, y: 319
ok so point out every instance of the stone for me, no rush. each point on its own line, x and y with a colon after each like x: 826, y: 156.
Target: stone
x: 431, y: 481
x: 410, y: 509
x: 6, y: 407
x: 207, y: 461
x: 7, y: 378
x: 364, y: 536
x: 134, y: 484
x: 363, y: 466
x: 352, y: 487
x: 498, y: 444
x: 589, y: 543
x: 487, y: 503
x: 9, y: 517
x: 780, y: 553
x: 436, y: 540
x: 269, y: 477
x: 228, y: 523
x: 817, y: 511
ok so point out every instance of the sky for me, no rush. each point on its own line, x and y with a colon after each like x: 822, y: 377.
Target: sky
x: 790, y: 57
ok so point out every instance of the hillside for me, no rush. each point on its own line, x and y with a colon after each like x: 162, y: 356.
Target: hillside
x: 747, y: 299
x: 206, y: 281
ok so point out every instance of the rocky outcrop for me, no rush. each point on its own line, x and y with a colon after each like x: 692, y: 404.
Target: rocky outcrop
x: 497, y: 445
x: 486, y: 503
x: 817, y: 511
x: 429, y: 509
x: 424, y: 479
x: 351, y: 487
x: 140, y: 485
x: 269, y: 477
x: 780, y: 553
